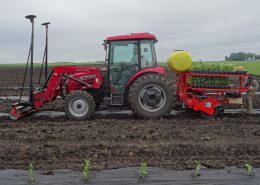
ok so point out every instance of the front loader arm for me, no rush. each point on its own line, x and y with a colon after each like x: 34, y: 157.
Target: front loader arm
x: 69, y: 78
x: 50, y: 93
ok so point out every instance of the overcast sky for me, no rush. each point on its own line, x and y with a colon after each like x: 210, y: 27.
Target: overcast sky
x: 208, y: 29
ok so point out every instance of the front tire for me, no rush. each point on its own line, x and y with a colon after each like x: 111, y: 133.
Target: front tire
x: 151, y: 96
x: 79, y: 105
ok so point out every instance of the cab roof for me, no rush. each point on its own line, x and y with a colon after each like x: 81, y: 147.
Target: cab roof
x: 131, y: 36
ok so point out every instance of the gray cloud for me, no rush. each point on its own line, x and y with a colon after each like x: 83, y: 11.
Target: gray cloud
x: 208, y: 29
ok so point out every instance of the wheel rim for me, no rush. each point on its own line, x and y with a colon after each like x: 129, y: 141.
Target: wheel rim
x: 78, y: 107
x: 152, y: 98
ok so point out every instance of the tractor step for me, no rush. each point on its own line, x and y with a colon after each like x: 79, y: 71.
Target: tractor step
x: 114, y: 100
x: 117, y: 99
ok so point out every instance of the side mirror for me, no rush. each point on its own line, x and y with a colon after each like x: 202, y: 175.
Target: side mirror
x: 105, y: 46
x: 106, y: 62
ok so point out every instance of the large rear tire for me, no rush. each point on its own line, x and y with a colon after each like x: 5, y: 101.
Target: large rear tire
x: 79, y: 105
x: 151, y: 96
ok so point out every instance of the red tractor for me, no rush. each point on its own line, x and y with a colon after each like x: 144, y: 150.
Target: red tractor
x: 131, y: 79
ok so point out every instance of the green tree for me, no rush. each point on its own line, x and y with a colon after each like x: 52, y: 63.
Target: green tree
x: 241, y: 56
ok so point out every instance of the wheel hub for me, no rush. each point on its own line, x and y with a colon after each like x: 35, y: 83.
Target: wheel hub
x: 78, y: 107
x: 152, y: 98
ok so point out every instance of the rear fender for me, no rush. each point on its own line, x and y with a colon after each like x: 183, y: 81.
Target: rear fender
x: 158, y: 70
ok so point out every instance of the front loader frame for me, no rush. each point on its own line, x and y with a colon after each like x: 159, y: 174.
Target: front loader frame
x: 62, y: 79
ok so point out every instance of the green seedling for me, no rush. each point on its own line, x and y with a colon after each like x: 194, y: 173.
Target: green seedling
x: 143, y: 169
x: 31, y: 174
x: 197, y: 169
x: 86, y: 169
x: 249, y: 168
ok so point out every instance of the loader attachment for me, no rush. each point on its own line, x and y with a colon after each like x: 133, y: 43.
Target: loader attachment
x: 20, y: 110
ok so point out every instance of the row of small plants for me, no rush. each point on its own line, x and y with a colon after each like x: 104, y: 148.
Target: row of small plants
x: 220, y: 82
x: 143, y: 170
x: 210, y: 82
x: 216, y: 68
x: 220, y: 72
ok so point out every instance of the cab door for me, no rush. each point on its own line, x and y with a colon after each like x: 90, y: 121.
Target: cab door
x: 123, y: 63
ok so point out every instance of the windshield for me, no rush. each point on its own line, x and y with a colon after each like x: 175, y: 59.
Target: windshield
x: 124, y: 51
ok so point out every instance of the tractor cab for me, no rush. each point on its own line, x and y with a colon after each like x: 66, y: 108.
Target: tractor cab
x: 127, y: 55
x: 131, y: 80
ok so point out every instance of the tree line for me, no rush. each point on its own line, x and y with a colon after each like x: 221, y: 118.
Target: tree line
x: 241, y: 56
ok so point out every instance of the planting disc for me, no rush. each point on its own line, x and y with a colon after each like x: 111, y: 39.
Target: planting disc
x: 179, y: 61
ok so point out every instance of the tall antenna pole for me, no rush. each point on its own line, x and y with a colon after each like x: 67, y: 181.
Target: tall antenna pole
x: 31, y: 18
x: 46, y: 24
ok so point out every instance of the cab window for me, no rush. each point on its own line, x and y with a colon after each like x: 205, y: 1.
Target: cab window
x: 147, y: 56
x: 123, y: 51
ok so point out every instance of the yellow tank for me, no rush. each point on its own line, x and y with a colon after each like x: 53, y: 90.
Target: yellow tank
x: 179, y: 61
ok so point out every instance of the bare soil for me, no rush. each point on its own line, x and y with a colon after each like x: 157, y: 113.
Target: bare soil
x: 172, y: 143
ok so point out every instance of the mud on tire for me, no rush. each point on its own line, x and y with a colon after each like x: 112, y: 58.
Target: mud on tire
x: 79, y: 105
x: 151, y: 96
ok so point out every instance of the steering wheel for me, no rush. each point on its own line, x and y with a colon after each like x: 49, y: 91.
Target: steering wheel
x: 123, y: 66
x: 127, y: 66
